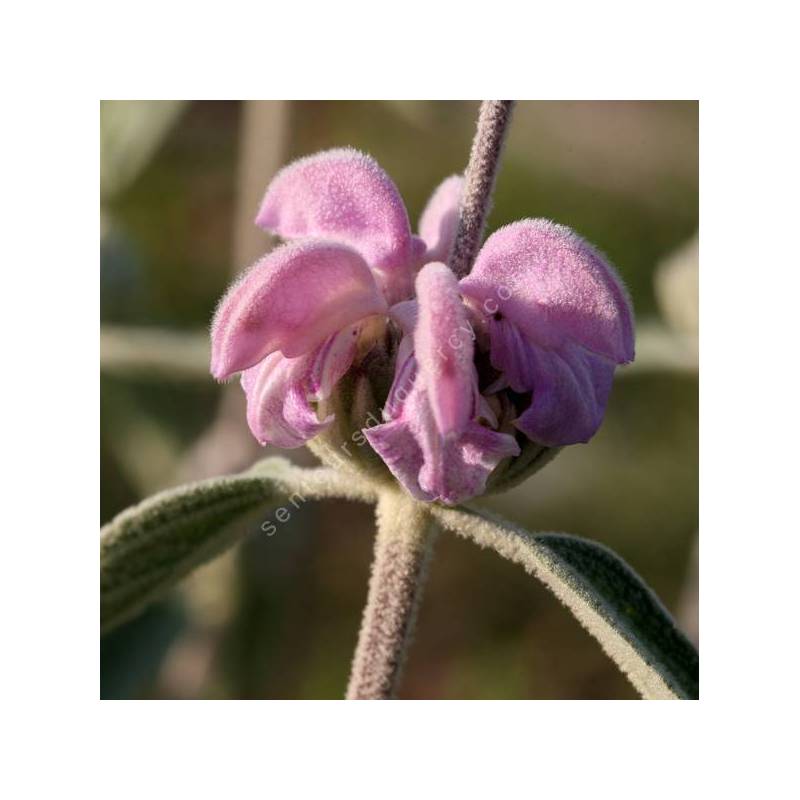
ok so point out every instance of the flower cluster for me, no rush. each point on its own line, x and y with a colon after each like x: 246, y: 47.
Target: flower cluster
x: 524, y: 347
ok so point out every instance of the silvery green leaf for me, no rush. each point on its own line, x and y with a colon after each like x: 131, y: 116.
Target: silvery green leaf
x: 147, y: 549
x: 603, y: 593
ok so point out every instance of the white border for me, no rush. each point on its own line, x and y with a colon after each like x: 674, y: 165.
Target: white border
x: 60, y: 61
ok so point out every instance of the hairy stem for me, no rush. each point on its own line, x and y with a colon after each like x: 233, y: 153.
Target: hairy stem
x: 402, y: 551
x: 405, y: 527
x: 479, y: 179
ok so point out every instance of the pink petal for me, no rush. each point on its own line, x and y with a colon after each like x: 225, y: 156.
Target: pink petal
x: 291, y: 300
x: 404, y: 378
x: 279, y: 390
x: 331, y: 362
x: 396, y: 443
x: 341, y: 195
x: 571, y: 389
x: 439, y: 220
x: 466, y: 463
x: 277, y: 411
x: 443, y: 345
x: 433, y: 468
x: 512, y: 354
x: 405, y: 315
x: 555, y: 287
x: 300, y: 416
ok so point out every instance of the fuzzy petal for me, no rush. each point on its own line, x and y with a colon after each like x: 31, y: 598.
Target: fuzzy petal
x: 396, y: 444
x: 439, y: 220
x: 277, y: 411
x: 571, y: 389
x: 404, y: 379
x: 331, y: 362
x: 466, y: 464
x: 300, y: 416
x: 512, y: 354
x: 342, y: 195
x: 291, y: 300
x: 443, y: 345
x: 405, y: 314
x: 428, y: 465
x: 279, y: 390
x: 555, y: 287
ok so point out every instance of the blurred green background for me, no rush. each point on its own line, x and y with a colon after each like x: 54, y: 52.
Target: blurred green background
x: 278, y: 617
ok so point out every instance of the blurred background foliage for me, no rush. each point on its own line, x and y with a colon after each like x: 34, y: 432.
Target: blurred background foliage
x: 278, y: 617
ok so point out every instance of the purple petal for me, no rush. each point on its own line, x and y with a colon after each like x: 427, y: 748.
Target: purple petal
x: 277, y: 410
x: 405, y: 315
x: 404, y: 378
x: 279, y: 390
x: 443, y: 345
x: 396, y: 444
x: 428, y: 465
x: 331, y: 362
x: 555, y: 287
x: 571, y: 389
x: 291, y: 300
x: 466, y: 463
x: 512, y: 354
x: 300, y: 416
x: 439, y: 220
x: 341, y: 195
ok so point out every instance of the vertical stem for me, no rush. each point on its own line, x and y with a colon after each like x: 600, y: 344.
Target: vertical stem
x: 479, y: 179
x: 405, y: 529
x: 402, y: 551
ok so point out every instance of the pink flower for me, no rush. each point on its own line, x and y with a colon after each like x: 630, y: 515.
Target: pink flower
x: 293, y: 323
x: 525, y: 347
x: 554, y: 320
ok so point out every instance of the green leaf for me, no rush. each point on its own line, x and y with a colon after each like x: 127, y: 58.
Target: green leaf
x: 145, y: 550
x: 148, y: 548
x: 605, y: 595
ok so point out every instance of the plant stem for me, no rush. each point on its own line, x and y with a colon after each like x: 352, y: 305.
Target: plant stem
x: 402, y: 551
x: 405, y: 527
x: 479, y: 179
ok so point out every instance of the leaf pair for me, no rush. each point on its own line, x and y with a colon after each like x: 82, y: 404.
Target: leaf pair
x: 147, y: 549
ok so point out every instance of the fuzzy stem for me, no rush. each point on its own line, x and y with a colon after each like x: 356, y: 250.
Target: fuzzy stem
x: 479, y: 179
x: 402, y: 551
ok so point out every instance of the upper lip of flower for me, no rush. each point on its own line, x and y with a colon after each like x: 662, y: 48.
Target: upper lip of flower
x: 555, y: 287
x: 291, y: 301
